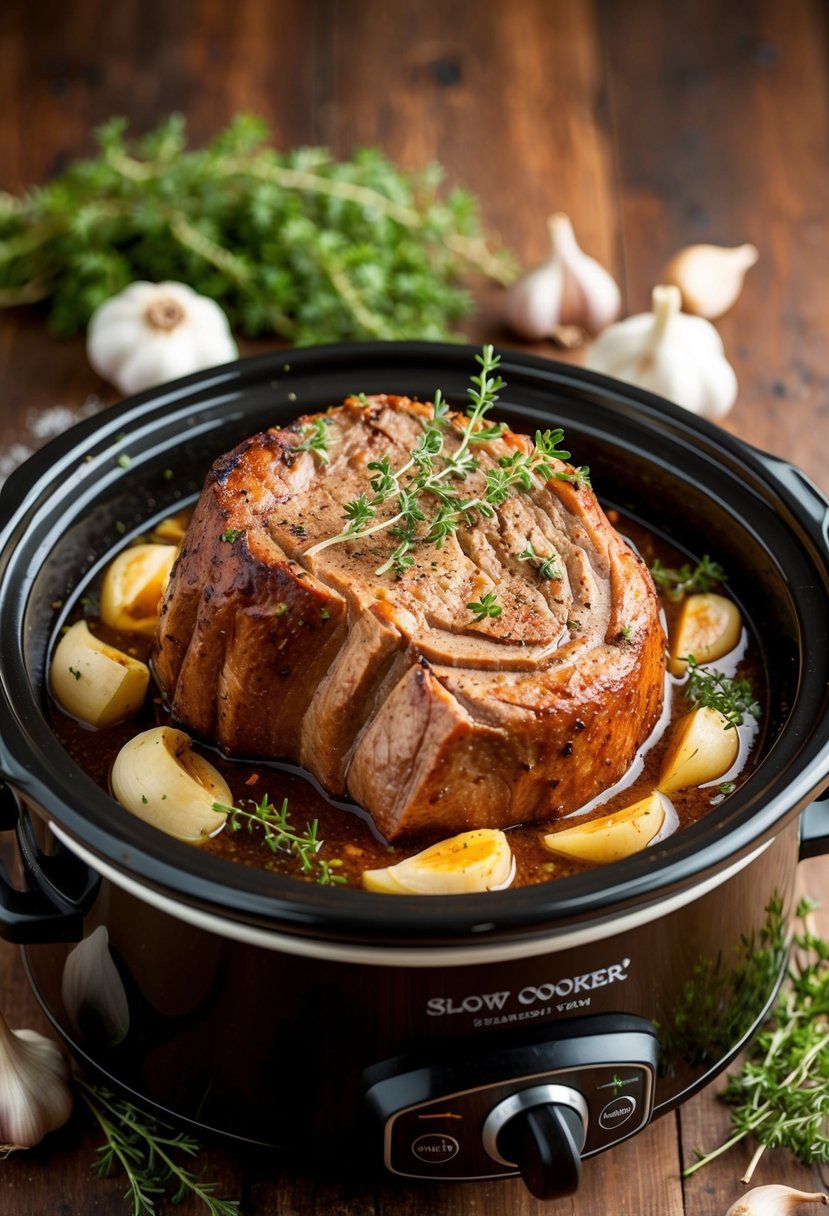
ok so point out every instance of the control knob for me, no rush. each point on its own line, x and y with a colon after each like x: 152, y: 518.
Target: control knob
x: 540, y: 1131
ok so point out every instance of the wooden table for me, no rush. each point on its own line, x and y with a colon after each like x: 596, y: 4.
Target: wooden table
x: 653, y: 125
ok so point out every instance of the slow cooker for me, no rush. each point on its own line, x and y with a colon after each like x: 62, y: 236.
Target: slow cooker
x: 462, y: 1037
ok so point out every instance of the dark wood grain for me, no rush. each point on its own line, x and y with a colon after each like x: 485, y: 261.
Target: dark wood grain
x: 653, y: 125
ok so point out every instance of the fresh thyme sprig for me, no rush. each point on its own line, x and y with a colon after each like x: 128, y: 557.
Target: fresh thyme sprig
x: 487, y: 606
x: 316, y: 439
x: 432, y: 469
x: 781, y: 1094
x: 280, y: 837
x: 677, y: 583
x: 147, y: 1150
x: 548, y: 567
x: 712, y: 689
x: 292, y: 242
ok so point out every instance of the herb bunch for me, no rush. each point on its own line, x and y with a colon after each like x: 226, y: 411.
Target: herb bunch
x: 149, y: 1153
x: 281, y: 837
x: 712, y: 689
x: 781, y: 1094
x: 677, y: 583
x: 427, y: 505
x: 294, y: 243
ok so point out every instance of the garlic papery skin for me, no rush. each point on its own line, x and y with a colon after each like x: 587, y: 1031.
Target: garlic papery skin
x: 569, y: 288
x: 35, y: 1097
x: 710, y: 277
x: 93, y: 993
x: 669, y: 353
x: 153, y: 332
x: 773, y: 1200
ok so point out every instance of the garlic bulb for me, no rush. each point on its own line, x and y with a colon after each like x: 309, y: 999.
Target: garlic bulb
x: 773, y: 1200
x: 153, y: 332
x: 669, y: 353
x: 93, y: 993
x: 710, y: 277
x: 568, y: 289
x: 34, y: 1095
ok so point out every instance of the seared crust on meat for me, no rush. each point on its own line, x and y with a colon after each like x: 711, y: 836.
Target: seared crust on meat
x: 386, y: 687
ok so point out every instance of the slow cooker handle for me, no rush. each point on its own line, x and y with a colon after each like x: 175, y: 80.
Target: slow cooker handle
x: 60, y: 887
x: 814, y: 828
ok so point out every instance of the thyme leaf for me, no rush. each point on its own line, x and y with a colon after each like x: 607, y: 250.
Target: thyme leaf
x: 294, y: 243
x: 432, y: 469
x: 280, y: 837
x: 316, y: 439
x: 712, y: 689
x: 677, y: 583
x: 148, y: 1152
x: 781, y: 1094
x: 486, y: 606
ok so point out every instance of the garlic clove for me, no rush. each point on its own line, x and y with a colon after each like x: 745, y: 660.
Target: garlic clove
x: 480, y: 860
x: 569, y: 289
x: 173, y: 528
x: 133, y: 585
x: 35, y: 1097
x: 614, y: 836
x: 94, y: 681
x: 773, y: 1200
x: 159, y: 778
x: 710, y: 277
x: 702, y: 748
x: 709, y: 626
x: 93, y: 993
x: 670, y: 353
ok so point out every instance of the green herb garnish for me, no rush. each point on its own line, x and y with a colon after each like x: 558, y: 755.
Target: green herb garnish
x: 294, y: 243
x: 231, y: 534
x: 316, y: 439
x: 781, y: 1094
x: 548, y: 567
x: 486, y: 606
x: 678, y: 583
x: 147, y: 1150
x: 431, y: 470
x: 711, y: 689
x: 280, y: 837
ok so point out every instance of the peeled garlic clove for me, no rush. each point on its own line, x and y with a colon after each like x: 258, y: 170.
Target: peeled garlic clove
x: 773, y: 1200
x: 133, y: 585
x: 34, y: 1095
x: 480, y: 860
x: 709, y: 626
x: 172, y: 529
x: 94, y: 681
x: 669, y: 353
x: 702, y: 748
x: 568, y: 289
x: 92, y: 991
x: 158, y: 777
x: 710, y: 277
x: 614, y: 836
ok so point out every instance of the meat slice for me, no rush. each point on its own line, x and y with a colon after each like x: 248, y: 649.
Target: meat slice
x: 385, y: 686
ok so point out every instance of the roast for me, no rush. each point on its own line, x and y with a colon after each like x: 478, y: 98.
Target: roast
x: 396, y: 689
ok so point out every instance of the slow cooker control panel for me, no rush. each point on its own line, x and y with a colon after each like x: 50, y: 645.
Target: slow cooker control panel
x: 534, y: 1109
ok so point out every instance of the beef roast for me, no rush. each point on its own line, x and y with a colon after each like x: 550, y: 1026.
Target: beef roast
x: 387, y: 687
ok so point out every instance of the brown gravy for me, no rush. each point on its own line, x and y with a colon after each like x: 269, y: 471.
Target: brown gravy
x: 346, y: 832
